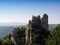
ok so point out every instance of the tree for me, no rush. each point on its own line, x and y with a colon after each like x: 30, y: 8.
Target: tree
x: 6, y: 42
x: 54, y: 38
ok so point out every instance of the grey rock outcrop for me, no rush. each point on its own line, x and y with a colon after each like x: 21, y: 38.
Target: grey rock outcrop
x: 38, y: 30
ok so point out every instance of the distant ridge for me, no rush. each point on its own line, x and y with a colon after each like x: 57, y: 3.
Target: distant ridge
x: 12, y: 24
x: 18, y: 24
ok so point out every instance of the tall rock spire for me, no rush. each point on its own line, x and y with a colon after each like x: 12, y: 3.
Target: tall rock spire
x: 45, y: 21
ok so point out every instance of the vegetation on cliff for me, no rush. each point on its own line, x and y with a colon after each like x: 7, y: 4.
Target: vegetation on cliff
x: 54, y: 37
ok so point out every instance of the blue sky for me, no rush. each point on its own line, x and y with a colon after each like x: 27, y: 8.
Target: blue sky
x: 23, y: 10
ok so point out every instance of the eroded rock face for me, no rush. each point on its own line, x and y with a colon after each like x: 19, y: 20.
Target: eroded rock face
x: 45, y: 21
x: 38, y: 29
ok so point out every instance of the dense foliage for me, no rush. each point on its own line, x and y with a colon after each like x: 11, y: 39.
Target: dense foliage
x: 6, y: 42
x: 54, y: 38
x: 20, y: 34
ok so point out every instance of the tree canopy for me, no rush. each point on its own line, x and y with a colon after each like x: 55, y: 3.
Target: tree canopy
x: 54, y: 38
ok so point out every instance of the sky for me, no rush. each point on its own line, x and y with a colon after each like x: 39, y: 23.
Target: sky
x: 23, y: 10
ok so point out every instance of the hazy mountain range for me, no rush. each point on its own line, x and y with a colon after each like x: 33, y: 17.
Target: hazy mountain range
x: 12, y: 24
x: 17, y: 23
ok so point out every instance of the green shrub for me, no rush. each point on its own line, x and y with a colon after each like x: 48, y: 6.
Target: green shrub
x: 7, y: 42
